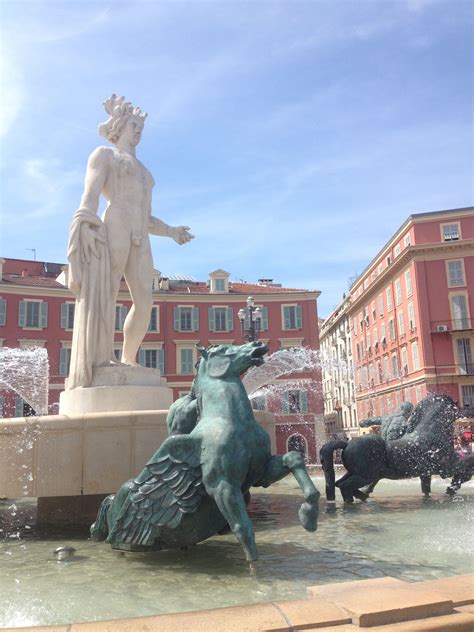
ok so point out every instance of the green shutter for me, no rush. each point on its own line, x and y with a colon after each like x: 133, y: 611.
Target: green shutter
x: 264, y: 319
x: 195, y: 319
x: 141, y: 357
x: 3, y: 311
x: 123, y: 315
x: 212, y: 319
x: 177, y: 319
x: 18, y: 406
x: 230, y: 319
x: 286, y: 404
x: 299, y: 317
x: 304, y: 401
x: 43, y: 314
x: 161, y: 361
x: 22, y: 313
x: 63, y: 361
x: 64, y: 315
x: 286, y: 317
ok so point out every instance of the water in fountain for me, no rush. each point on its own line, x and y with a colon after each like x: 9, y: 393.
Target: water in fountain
x: 26, y: 371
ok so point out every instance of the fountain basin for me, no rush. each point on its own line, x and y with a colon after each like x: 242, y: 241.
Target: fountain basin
x: 396, y: 534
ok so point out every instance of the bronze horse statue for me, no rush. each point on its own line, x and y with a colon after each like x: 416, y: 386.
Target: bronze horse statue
x: 426, y: 448
x: 196, y: 483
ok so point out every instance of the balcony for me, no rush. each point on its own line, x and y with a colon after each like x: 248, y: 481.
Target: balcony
x: 449, y: 326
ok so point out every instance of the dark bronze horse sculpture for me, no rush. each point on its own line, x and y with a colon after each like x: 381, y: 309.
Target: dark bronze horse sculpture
x: 196, y: 484
x: 426, y: 448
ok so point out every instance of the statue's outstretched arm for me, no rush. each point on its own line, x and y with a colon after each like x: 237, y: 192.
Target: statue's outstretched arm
x: 180, y: 234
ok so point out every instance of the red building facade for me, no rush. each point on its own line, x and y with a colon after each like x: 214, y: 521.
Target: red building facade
x: 37, y: 310
x: 412, y: 313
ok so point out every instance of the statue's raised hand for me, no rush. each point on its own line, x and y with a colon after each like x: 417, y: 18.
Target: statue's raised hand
x: 91, y: 238
x: 180, y: 234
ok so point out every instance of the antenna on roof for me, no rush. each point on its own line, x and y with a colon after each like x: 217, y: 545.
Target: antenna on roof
x: 33, y: 250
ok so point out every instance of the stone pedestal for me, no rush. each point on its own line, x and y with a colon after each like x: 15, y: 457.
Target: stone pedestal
x: 118, y: 388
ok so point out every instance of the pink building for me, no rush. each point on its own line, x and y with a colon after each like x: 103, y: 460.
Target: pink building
x: 412, y: 313
x: 37, y: 310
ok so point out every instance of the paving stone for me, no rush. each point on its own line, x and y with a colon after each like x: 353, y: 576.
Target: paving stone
x: 304, y: 613
x: 460, y: 589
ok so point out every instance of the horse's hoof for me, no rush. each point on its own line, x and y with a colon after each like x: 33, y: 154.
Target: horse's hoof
x: 308, y: 515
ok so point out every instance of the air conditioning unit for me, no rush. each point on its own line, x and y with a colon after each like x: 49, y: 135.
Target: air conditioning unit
x: 441, y: 328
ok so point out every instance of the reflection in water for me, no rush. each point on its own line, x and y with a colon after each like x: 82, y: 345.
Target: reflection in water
x: 395, y: 534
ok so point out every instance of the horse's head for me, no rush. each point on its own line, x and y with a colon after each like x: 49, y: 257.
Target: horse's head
x: 231, y: 360
x: 435, y: 412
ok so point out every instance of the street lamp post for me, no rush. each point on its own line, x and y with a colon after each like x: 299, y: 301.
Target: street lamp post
x: 254, y: 316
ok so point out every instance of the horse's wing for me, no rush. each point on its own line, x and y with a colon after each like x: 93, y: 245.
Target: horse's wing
x: 168, y: 487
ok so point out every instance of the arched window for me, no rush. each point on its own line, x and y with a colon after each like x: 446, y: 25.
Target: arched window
x: 298, y: 443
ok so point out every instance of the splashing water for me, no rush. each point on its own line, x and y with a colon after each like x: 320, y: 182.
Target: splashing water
x: 26, y: 371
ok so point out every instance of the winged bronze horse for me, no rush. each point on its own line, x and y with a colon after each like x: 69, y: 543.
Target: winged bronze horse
x: 195, y: 484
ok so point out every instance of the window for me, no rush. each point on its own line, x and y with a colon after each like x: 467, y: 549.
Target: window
x: 186, y: 364
x: 391, y: 329
x: 64, y: 361
x: 465, y: 356
x: 67, y: 315
x: 154, y: 325
x: 407, y: 240
x: 354, y: 324
x: 118, y: 353
x: 411, y: 316
x: 388, y: 293
x: 459, y: 311
x: 468, y: 396
x: 374, y: 312
x: 152, y: 359
x: 401, y: 324
x: 295, y: 402
x: 380, y: 372
x: 263, y: 319
x: 395, y: 369
x: 259, y: 402
x: 221, y: 319
x: 33, y: 314
x: 219, y: 285
x: 22, y: 408
x: 292, y: 318
x: 408, y: 283
x: 396, y: 250
x: 297, y: 443
x: 380, y: 301
x: 455, y: 272
x: 186, y: 318
x: 386, y: 368
x: 383, y: 334
x: 398, y: 291
x: 415, y: 356
x: 404, y: 357
x: 380, y: 268
x: 3, y: 312
x: 120, y: 316
x: 450, y: 232
x: 367, y: 341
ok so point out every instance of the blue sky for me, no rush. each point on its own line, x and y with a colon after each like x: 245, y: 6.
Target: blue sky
x: 293, y: 137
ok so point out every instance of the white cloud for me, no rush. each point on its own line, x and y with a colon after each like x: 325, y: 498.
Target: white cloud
x: 13, y: 94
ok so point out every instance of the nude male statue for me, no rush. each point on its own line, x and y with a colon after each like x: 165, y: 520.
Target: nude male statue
x: 101, y: 251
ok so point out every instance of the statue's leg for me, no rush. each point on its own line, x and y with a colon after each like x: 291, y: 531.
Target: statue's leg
x: 139, y: 277
x: 231, y: 504
x: 425, y: 484
x: 350, y: 487
x: 278, y: 467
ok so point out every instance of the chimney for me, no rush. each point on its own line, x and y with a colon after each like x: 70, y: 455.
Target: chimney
x: 164, y: 284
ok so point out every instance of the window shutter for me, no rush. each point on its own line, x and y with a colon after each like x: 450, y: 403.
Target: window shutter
x: 247, y: 320
x: 161, y: 360
x: 22, y: 313
x: 264, y: 319
x: 176, y: 319
x: 123, y: 315
x: 212, y: 319
x: 286, y: 317
x: 230, y: 319
x: 43, y: 314
x: 18, y: 406
x: 64, y: 315
x: 299, y: 317
x: 63, y: 360
x: 141, y: 357
x: 195, y: 318
x: 304, y: 401
x: 286, y: 404
x: 3, y: 311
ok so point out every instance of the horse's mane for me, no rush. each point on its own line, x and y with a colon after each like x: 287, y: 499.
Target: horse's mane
x: 425, y: 405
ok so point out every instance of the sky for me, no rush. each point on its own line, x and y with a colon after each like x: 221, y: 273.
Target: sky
x: 293, y: 137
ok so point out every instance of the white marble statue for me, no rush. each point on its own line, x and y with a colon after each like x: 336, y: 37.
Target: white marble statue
x: 102, y: 251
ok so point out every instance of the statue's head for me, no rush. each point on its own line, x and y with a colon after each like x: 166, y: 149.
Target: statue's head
x: 124, y: 118
x: 406, y: 409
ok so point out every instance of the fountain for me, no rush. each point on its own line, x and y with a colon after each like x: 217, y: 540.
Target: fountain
x: 26, y: 371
